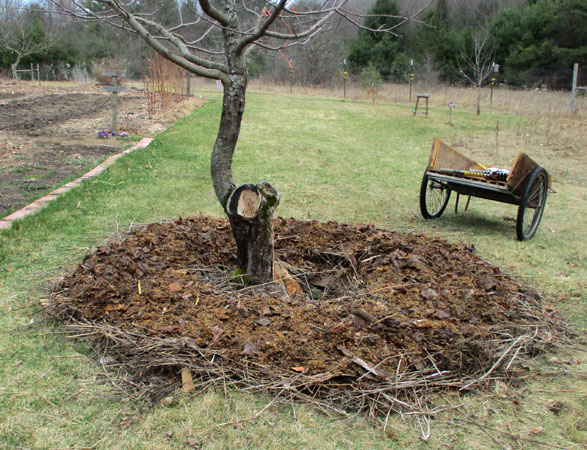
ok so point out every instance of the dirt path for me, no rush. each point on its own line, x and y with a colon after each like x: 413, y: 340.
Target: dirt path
x: 48, y: 135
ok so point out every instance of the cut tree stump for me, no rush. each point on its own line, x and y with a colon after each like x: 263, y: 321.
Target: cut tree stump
x: 250, y: 210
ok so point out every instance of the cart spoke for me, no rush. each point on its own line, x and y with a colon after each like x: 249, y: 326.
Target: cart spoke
x: 534, y: 205
x: 434, y: 196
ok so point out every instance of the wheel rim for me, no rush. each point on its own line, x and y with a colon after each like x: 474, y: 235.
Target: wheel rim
x: 436, y: 196
x: 534, y: 206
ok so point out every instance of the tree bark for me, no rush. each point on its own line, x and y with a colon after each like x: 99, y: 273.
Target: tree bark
x: 250, y: 207
x: 14, y: 67
x: 233, y: 106
x: 250, y: 210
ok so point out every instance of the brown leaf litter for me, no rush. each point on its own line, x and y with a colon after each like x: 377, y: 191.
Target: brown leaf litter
x: 383, y: 316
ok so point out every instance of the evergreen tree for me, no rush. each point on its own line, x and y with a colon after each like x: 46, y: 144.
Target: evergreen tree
x: 540, y: 41
x: 378, y: 48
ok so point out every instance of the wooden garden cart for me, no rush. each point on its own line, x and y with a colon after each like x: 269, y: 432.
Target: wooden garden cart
x: 526, y: 185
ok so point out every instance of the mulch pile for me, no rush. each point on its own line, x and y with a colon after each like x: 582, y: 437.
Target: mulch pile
x: 384, y: 315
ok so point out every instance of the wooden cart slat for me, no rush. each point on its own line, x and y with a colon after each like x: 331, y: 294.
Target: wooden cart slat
x: 443, y: 157
x: 525, y: 186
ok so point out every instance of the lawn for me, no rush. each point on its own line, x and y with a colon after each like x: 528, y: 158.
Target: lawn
x: 348, y: 161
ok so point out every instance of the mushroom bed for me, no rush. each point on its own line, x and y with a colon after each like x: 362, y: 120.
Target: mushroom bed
x: 375, y: 303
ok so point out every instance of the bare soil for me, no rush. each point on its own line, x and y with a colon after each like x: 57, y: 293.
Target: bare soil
x: 48, y: 135
x: 376, y: 303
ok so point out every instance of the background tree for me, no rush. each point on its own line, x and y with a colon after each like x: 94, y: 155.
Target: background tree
x: 378, y: 49
x: 475, y: 61
x: 22, y: 33
x: 371, y: 80
x: 535, y: 41
x: 540, y: 41
x: 320, y: 60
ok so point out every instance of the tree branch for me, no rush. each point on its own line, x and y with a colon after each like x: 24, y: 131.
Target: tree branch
x: 216, y: 14
x: 262, y: 27
x: 194, y: 64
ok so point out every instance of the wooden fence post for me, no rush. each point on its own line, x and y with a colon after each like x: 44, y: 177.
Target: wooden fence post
x: 115, y: 89
x: 188, y: 84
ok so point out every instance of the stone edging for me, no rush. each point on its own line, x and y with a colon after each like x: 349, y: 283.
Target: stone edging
x: 32, y: 208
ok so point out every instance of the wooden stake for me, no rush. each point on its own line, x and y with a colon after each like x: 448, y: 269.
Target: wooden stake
x: 114, y: 112
x: 187, y: 381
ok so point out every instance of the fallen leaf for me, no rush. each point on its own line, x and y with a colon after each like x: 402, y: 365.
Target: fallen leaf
x: 415, y: 262
x: 264, y: 311
x: 298, y: 369
x: 555, y: 407
x: 218, y: 333
x: 429, y: 294
x: 194, y: 443
x: 174, y: 287
x: 320, y: 281
x: 128, y: 422
x: 423, y: 323
x: 250, y: 349
x: 263, y: 322
x: 114, y: 307
x: 357, y: 322
x: 45, y: 303
x: 538, y: 430
x: 442, y: 315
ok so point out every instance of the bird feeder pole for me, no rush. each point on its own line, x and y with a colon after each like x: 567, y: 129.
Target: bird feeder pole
x: 411, y: 76
x: 345, y: 75
x: 493, y: 78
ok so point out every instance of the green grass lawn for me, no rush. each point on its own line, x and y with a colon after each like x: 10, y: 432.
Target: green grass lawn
x: 331, y: 160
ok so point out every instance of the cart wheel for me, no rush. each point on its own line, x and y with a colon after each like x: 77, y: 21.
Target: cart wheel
x: 434, y: 197
x: 532, y: 204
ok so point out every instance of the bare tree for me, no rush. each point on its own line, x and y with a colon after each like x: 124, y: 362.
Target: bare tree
x: 22, y: 34
x: 215, y: 44
x: 477, y: 64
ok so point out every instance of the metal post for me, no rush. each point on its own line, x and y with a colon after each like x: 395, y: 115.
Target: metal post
x: 493, y: 78
x: 345, y: 75
x: 114, y: 106
x: 411, y: 76
x: 39, y: 74
x: 451, y: 105
x: 574, y: 88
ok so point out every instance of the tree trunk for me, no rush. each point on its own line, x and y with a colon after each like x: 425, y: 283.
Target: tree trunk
x: 479, y: 99
x: 250, y: 209
x: 14, y: 67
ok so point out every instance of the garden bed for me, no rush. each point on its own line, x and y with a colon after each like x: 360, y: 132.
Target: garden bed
x: 385, y: 318
x: 48, y: 135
